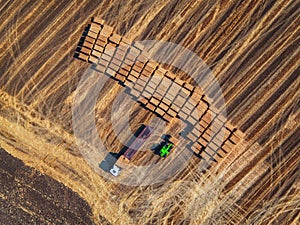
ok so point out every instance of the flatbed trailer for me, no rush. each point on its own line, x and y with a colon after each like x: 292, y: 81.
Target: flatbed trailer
x: 131, y: 150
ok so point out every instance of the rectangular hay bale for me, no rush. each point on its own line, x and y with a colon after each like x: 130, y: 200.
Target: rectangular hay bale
x: 98, y: 21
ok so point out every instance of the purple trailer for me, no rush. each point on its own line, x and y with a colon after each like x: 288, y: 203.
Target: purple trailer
x: 138, y: 142
x: 132, y: 149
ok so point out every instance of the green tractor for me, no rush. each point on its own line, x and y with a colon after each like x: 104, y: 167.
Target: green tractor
x: 165, y: 150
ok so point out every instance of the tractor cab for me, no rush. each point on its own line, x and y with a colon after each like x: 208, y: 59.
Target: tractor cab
x: 165, y: 149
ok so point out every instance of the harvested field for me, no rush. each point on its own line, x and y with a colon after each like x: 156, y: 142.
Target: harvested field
x: 27, y: 195
x: 252, y: 48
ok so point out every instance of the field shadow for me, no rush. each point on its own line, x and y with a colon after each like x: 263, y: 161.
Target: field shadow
x: 156, y: 147
x: 80, y: 43
x: 108, y: 162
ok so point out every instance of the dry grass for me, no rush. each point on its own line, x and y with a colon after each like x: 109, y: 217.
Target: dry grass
x: 252, y: 48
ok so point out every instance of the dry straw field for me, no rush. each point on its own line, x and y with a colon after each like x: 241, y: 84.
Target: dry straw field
x: 251, y: 46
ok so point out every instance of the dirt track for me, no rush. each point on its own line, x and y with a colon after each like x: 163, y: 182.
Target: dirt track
x: 252, y: 48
